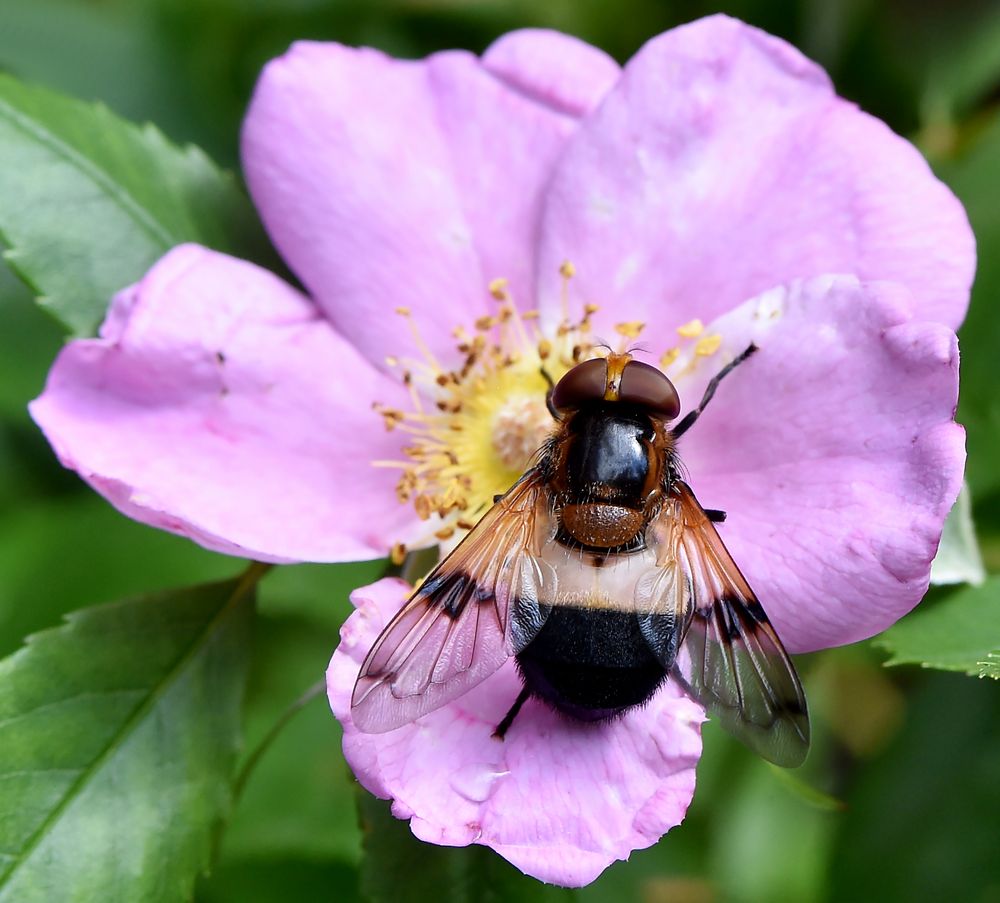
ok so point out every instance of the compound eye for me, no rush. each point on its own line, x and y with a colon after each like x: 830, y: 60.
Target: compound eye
x: 585, y: 382
x: 647, y: 387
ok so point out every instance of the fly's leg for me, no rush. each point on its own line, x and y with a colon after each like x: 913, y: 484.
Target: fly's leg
x: 508, y: 719
x: 548, y: 394
x: 688, y: 421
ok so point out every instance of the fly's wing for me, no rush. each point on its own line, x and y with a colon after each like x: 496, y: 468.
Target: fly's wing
x: 478, y: 607
x: 732, y: 661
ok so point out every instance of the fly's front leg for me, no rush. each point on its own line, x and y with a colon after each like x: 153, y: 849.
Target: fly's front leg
x: 688, y: 421
x: 548, y: 394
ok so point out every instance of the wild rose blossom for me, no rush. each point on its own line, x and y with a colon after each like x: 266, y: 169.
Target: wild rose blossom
x: 495, y: 202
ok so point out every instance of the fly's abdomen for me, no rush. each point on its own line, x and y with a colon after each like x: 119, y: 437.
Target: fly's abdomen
x: 592, y: 658
x: 591, y: 664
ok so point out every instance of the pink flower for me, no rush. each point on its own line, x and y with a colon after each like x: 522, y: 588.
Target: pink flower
x: 718, y: 177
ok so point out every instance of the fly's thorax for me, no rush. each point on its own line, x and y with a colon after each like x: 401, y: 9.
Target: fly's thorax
x: 608, y: 467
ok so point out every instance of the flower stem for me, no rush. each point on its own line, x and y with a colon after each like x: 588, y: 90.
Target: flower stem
x: 262, y: 747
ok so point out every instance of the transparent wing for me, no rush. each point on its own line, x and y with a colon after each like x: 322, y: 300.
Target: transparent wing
x: 731, y: 660
x: 475, y: 609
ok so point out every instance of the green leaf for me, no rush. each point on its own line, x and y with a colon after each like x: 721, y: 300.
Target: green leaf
x: 398, y: 868
x: 118, y: 734
x: 990, y: 666
x: 958, y: 559
x: 89, y: 201
x: 957, y: 633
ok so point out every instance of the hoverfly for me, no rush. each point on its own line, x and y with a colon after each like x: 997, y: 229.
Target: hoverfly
x: 600, y: 572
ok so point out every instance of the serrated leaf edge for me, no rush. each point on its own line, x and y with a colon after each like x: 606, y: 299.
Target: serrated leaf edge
x: 245, y: 585
x: 94, y: 172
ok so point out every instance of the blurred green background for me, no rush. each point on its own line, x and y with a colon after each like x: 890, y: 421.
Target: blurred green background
x: 906, y: 761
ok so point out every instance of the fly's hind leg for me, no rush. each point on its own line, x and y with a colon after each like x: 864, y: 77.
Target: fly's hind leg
x: 508, y: 719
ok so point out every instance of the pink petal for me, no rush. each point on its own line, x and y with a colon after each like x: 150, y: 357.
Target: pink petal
x: 553, y: 69
x: 723, y: 164
x: 219, y: 405
x: 834, y: 452
x: 559, y: 800
x: 389, y: 183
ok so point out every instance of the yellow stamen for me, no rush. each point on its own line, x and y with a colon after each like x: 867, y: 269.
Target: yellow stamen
x: 475, y: 427
x: 708, y: 345
x: 630, y: 329
x: 691, y: 329
x: 418, y: 339
x: 567, y: 271
x: 498, y: 289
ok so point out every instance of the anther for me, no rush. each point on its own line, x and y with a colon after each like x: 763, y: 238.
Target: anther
x: 691, y: 329
x: 708, y: 345
x: 498, y: 288
x: 669, y: 356
x: 422, y: 505
x: 630, y: 329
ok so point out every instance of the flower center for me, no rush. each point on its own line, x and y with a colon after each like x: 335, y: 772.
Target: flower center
x: 474, y: 429
x: 520, y: 427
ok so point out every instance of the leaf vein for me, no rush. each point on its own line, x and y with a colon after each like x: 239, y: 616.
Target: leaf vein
x: 58, y: 147
x: 245, y: 585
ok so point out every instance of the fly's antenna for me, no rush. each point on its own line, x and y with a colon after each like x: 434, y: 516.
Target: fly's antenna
x: 688, y: 421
